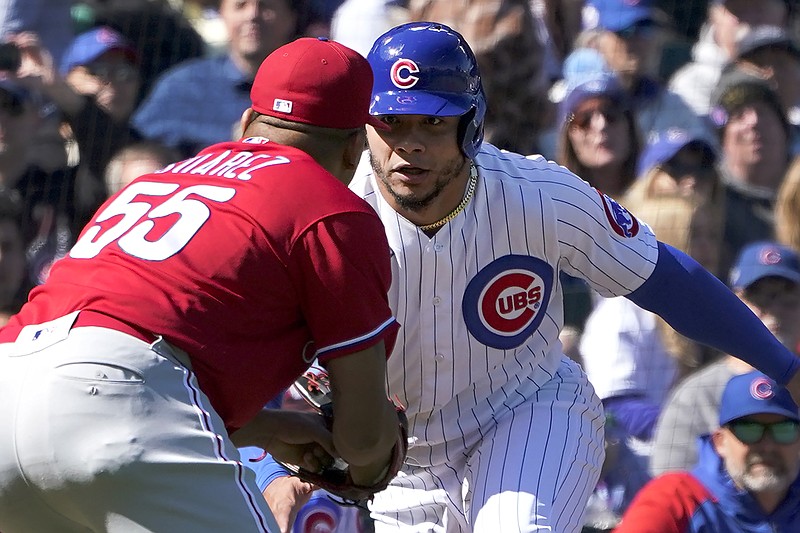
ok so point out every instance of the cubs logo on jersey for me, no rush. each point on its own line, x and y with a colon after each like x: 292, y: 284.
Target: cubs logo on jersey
x: 622, y: 222
x: 403, y: 73
x: 506, y: 301
x: 319, y: 515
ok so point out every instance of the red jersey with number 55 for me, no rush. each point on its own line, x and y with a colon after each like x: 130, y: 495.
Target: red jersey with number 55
x: 249, y: 256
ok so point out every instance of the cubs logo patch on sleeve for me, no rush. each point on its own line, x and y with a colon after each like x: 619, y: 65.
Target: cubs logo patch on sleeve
x: 622, y: 222
x: 506, y: 301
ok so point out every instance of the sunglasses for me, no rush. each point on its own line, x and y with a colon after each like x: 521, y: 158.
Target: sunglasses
x: 119, y: 73
x: 583, y: 119
x: 749, y: 432
x: 677, y: 169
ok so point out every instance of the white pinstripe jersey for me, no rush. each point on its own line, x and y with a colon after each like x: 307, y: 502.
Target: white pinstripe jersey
x: 480, y: 303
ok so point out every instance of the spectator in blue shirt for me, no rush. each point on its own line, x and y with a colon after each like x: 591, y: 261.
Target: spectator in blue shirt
x: 198, y: 102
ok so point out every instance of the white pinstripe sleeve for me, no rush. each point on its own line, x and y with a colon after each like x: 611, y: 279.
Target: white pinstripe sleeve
x: 600, y: 240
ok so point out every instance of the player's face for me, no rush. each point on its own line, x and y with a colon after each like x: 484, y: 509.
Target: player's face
x: 598, y: 133
x: 762, y: 467
x: 257, y: 27
x: 418, y: 163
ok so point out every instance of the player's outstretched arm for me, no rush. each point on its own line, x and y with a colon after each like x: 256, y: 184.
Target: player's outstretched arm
x: 365, y: 426
x: 701, y: 307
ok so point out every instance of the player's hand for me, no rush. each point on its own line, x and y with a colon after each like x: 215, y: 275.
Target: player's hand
x: 292, y: 437
x: 285, y: 496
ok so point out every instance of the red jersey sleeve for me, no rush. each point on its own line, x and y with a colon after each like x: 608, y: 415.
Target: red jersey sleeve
x: 665, y: 505
x: 342, y: 266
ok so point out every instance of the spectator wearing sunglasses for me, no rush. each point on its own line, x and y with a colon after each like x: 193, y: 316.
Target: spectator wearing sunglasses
x: 599, y: 140
x: 766, y: 277
x: 746, y: 478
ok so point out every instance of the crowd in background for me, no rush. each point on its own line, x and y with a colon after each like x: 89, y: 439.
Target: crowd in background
x: 687, y: 112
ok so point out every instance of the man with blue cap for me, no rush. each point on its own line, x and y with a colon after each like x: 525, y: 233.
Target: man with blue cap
x: 747, y: 475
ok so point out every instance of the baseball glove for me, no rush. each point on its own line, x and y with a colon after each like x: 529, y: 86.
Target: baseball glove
x: 314, y: 387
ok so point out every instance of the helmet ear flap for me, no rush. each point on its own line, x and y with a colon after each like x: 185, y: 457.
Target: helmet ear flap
x: 470, y: 128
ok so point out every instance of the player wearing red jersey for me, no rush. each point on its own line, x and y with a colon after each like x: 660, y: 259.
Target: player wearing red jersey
x: 196, y: 294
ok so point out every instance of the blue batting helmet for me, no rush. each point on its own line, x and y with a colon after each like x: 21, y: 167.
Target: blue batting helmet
x: 427, y: 68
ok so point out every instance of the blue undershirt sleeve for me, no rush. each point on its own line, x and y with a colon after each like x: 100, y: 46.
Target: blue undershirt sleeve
x: 266, y: 468
x: 701, y: 307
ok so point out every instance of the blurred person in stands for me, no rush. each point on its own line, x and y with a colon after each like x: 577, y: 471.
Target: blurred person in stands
x: 746, y: 477
x: 136, y: 160
x: 675, y: 162
x: 771, y: 53
x: 159, y: 32
x: 196, y: 103
x: 599, y: 140
x: 35, y: 175
x: 51, y: 19
x: 755, y: 154
x: 726, y: 22
x: 95, y: 90
x: 766, y: 277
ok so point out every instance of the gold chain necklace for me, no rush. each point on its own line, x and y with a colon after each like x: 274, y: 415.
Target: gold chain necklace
x: 473, y: 181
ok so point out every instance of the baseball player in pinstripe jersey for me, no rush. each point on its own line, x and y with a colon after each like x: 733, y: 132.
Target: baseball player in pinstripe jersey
x: 507, y: 432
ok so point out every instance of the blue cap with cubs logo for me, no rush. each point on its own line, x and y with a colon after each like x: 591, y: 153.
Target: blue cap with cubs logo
x: 752, y: 394
x: 764, y: 259
x: 90, y: 45
x: 617, y: 15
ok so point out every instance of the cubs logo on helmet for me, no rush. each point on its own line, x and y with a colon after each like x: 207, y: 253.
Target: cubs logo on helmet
x: 622, y: 222
x: 403, y: 73
x: 506, y: 301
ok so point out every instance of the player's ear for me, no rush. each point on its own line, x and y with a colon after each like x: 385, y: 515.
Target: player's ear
x: 356, y: 144
x: 248, y: 116
x: 718, y: 440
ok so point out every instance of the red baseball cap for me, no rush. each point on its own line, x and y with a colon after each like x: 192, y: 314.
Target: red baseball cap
x: 315, y: 81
